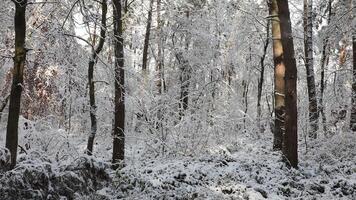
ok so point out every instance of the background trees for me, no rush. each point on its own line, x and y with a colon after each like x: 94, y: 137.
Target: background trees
x: 209, y: 78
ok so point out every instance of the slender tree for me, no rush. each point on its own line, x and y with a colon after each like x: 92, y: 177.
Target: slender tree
x: 147, y: 37
x: 324, y: 63
x: 261, y: 79
x: 279, y: 73
x: 290, y: 139
x: 93, y: 60
x: 119, y: 119
x: 353, y: 97
x: 17, y: 80
x: 309, y: 65
x: 161, y: 83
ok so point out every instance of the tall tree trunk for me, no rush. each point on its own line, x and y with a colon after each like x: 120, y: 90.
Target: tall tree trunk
x: 17, y: 80
x: 308, y: 51
x: 279, y: 82
x: 119, y: 119
x: 161, y: 83
x: 261, y: 79
x: 290, y: 139
x: 93, y: 60
x: 324, y: 63
x: 353, y: 97
x: 147, y: 37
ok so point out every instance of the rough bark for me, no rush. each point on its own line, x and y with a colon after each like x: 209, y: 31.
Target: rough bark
x: 290, y: 139
x: 279, y: 73
x: 308, y: 51
x: 147, y: 37
x: 119, y: 119
x: 93, y: 60
x: 17, y: 80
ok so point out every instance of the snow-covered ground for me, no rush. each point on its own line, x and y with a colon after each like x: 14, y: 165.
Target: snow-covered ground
x: 242, y: 169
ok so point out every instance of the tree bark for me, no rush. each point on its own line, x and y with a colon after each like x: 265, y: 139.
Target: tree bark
x: 93, y: 60
x: 353, y: 109
x: 161, y: 83
x: 324, y: 63
x: 261, y: 79
x: 17, y: 80
x: 279, y: 82
x: 119, y: 119
x: 147, y: 37
x: 290, y: 139
x: 308, y: 51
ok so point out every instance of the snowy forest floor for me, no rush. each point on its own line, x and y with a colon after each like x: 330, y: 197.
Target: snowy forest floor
x: 244, y: 169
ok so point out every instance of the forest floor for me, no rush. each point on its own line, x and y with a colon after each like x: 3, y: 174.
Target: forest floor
x: 244, y: 169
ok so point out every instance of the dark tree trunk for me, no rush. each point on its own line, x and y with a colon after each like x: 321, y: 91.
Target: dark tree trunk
x: 261, y: 79
x: 279, y: 82
x: 93, y: 60
x: 147, y: 37
x: 119, y: 119
x: 17, y: 80
x: 290, y: 139
x: 308, y: 51
x: 353, y: 108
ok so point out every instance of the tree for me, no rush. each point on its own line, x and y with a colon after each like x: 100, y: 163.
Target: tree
x: 261, y: 79
x: 119, y: 114
x: 279, y: 73
x: 290, y: 139
x: 161, y: 83
x: 92, y: 62
x: 308, y: 51
x: 353, y: 97
x: 17, y: 80
x: 324, y: 62
x: 147, y: 37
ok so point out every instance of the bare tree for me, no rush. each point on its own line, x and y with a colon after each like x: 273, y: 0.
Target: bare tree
x: 324, y: 63
x: 93, y: 60
x: 279, y: 73
x: 290, y: 139
x: 119, y: 119
x: 17, y: 80
x: 147, y: 37
x: 309, y: 65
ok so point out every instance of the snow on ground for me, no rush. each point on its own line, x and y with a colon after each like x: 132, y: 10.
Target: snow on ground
x: 246, y: 170
x: 243, y: 169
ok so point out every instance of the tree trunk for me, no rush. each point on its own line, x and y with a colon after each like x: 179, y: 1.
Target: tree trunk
x: 308, y: 51
x: 147, y: 37
x: 93, y: 60
x: 279, y: 82
x: 17, y: 80
x: 290, y: 139
x: 261, y: 79
x: 324, y: 62
x: 353, y: 109
x: 119, y: 119
x: 161, y: 83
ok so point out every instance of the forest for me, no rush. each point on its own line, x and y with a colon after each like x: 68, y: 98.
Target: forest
x: 177, y: 99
